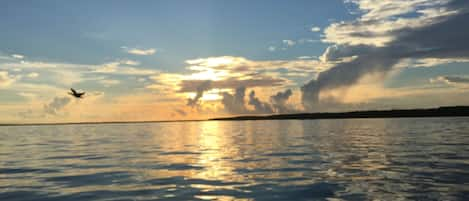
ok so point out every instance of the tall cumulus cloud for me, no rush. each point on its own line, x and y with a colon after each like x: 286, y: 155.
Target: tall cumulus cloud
x: 379, y: 40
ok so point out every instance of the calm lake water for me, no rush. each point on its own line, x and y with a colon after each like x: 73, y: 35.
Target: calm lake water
x: 358, y: 159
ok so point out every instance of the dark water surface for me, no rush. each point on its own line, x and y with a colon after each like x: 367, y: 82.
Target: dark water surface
x: 360, y: 159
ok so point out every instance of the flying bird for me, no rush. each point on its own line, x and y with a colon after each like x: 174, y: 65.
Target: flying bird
x: 75, y: 93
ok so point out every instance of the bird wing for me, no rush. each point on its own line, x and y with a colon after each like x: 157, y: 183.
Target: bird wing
x: 73, y: 91
x: 81, y: 94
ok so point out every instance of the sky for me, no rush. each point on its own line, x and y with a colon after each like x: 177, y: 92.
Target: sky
x: 181, y: 59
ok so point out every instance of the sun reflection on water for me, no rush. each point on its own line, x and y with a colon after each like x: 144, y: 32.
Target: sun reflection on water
x: 216, y: 160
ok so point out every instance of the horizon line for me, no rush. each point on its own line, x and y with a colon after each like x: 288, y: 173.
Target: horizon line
x: 250, y: 117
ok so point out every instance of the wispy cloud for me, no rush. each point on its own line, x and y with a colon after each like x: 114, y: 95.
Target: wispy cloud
x: 315, y: 29
x: 307, y: 57
x: 6, y: 79
x: 17, y: 56
x: 453, y: 80
x: 288, y: 42
x: 32, y: 75
x: 57, y: 104
x: 139, y: 51
x: 108, y: 83
x: 129, y: 62
x: 119, y: 67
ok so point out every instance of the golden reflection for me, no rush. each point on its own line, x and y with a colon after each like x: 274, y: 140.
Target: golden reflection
x: 215, y: 149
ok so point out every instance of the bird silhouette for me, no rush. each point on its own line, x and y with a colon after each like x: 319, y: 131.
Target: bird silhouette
x: 75, y: 93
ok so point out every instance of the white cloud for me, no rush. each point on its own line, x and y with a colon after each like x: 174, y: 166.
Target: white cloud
x: 289, y: 42
x: 306, y: 57
x: 137, y: 51
x: 382, y: 19
x: 17, y: 56
x: 384, y: 9
x: 130, y: 62
x: 315, y: 29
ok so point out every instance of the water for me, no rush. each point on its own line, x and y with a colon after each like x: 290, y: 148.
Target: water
x: 360, y: 159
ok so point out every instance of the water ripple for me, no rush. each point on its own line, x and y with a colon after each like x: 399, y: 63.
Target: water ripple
x: 354, y: 159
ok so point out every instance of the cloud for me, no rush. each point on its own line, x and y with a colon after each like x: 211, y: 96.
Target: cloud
x: 195, y: 85
x: 118, y: 68
x: 27, y: 95
x: 234, y: 103
x: 307, y: 40
x: 37, y: 88
x: 382, y: 22
x: 236, y: 66
x: 32, y: 75
x: 279, y: 101
x: 108, y: 83
x: 44, y: 65
x: 17, y: 56
x: 289, y: 42
x: 136, y: 51
x: 430, y: 62
x: 226, y: 73
x: 5, y: 79
x: 315, y: 29
x: 200, y: 86
x: 306, y: 57
x: 337, y: 53
x: 129, y: 62
x: 61, y: 74
x: 378, y: 41
x: 211, y: 79
x: 259, y: 106
x: 378, y: 10
x: 204, y: 86
x: 451, y: 80
x: 57, y: 104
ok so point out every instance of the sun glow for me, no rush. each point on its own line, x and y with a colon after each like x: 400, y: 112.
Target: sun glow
x: 211, y: 95
x: 212, y: 61
x: 208, y: 74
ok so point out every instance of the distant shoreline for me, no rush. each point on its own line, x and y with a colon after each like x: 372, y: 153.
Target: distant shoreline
x: 451, y: 111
